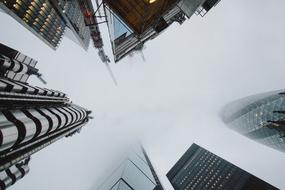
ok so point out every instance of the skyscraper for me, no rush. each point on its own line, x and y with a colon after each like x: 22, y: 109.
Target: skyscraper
x: 260, y: 117
x: 31, y: 117
x: 199, y: 169
x: 135, y: 172
x: 91, y: 21
x: 132, y: 23
x: 75, y: 21
x: 50, y: 19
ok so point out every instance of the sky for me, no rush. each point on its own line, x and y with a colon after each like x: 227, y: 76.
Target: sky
x: 169, y: 101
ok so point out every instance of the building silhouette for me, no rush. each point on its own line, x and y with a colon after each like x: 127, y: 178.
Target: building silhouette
x: 132, y: 23
x: 31, y: 117
x: 134, y: 172
x: 260, y: 117
x: 199, y: 169
x: 49, y: 20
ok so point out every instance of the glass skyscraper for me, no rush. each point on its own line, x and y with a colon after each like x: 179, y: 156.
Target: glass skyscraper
x: 50, y: 19
x: 199, y: 169
x: 31, y: 117
x: 260, y: 117
x: 135, y: 172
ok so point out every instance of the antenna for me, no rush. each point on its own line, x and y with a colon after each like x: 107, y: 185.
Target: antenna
x: 92, y: 21
x: 39, y: 75
x: 98, y: 5
x: 105, y: 59
x: 138, y: 50
x: 142, y: 55
x: 111, y: 73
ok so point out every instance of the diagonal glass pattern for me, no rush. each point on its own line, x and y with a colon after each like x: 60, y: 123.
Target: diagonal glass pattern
x: 134, y: 172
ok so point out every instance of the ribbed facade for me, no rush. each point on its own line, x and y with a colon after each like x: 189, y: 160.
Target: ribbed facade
x: 15, y: 65
x: 200, y: 169
x: 9, y: 176
x: 260, y: 117
x: 31, y: 118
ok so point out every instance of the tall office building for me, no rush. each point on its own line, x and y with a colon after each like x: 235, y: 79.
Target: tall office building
x: 75, y: 21
x: 50, y: 19
x: 260, y: 117
x: 135, y: 172
x: 132, y: 23
x: 199, y: 169
x: 31, y: 117
x: 91, y: 20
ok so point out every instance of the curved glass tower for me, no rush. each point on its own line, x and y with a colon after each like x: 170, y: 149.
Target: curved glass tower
x: 260, y: 117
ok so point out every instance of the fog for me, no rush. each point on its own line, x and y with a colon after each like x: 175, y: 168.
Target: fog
x: 168, y: 101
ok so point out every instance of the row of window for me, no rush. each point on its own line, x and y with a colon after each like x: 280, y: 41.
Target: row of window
x: 28, y: 91
x: 42, y: 18
x: 205, y: 170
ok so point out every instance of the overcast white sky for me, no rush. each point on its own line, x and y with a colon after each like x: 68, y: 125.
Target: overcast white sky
x: 170, y: 101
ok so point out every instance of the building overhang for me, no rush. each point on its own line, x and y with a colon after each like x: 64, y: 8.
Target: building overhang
x: 140, y: 15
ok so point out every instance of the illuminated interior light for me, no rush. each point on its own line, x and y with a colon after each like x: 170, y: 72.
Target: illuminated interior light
x: 151, y: 1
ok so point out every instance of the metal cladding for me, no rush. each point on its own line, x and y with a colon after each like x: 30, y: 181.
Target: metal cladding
x: 11, y: 175
x: 259, y: 117
x: 20, y: 93
x: 27, y: 125
x: 31, y: 117
x: 15, y: 65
